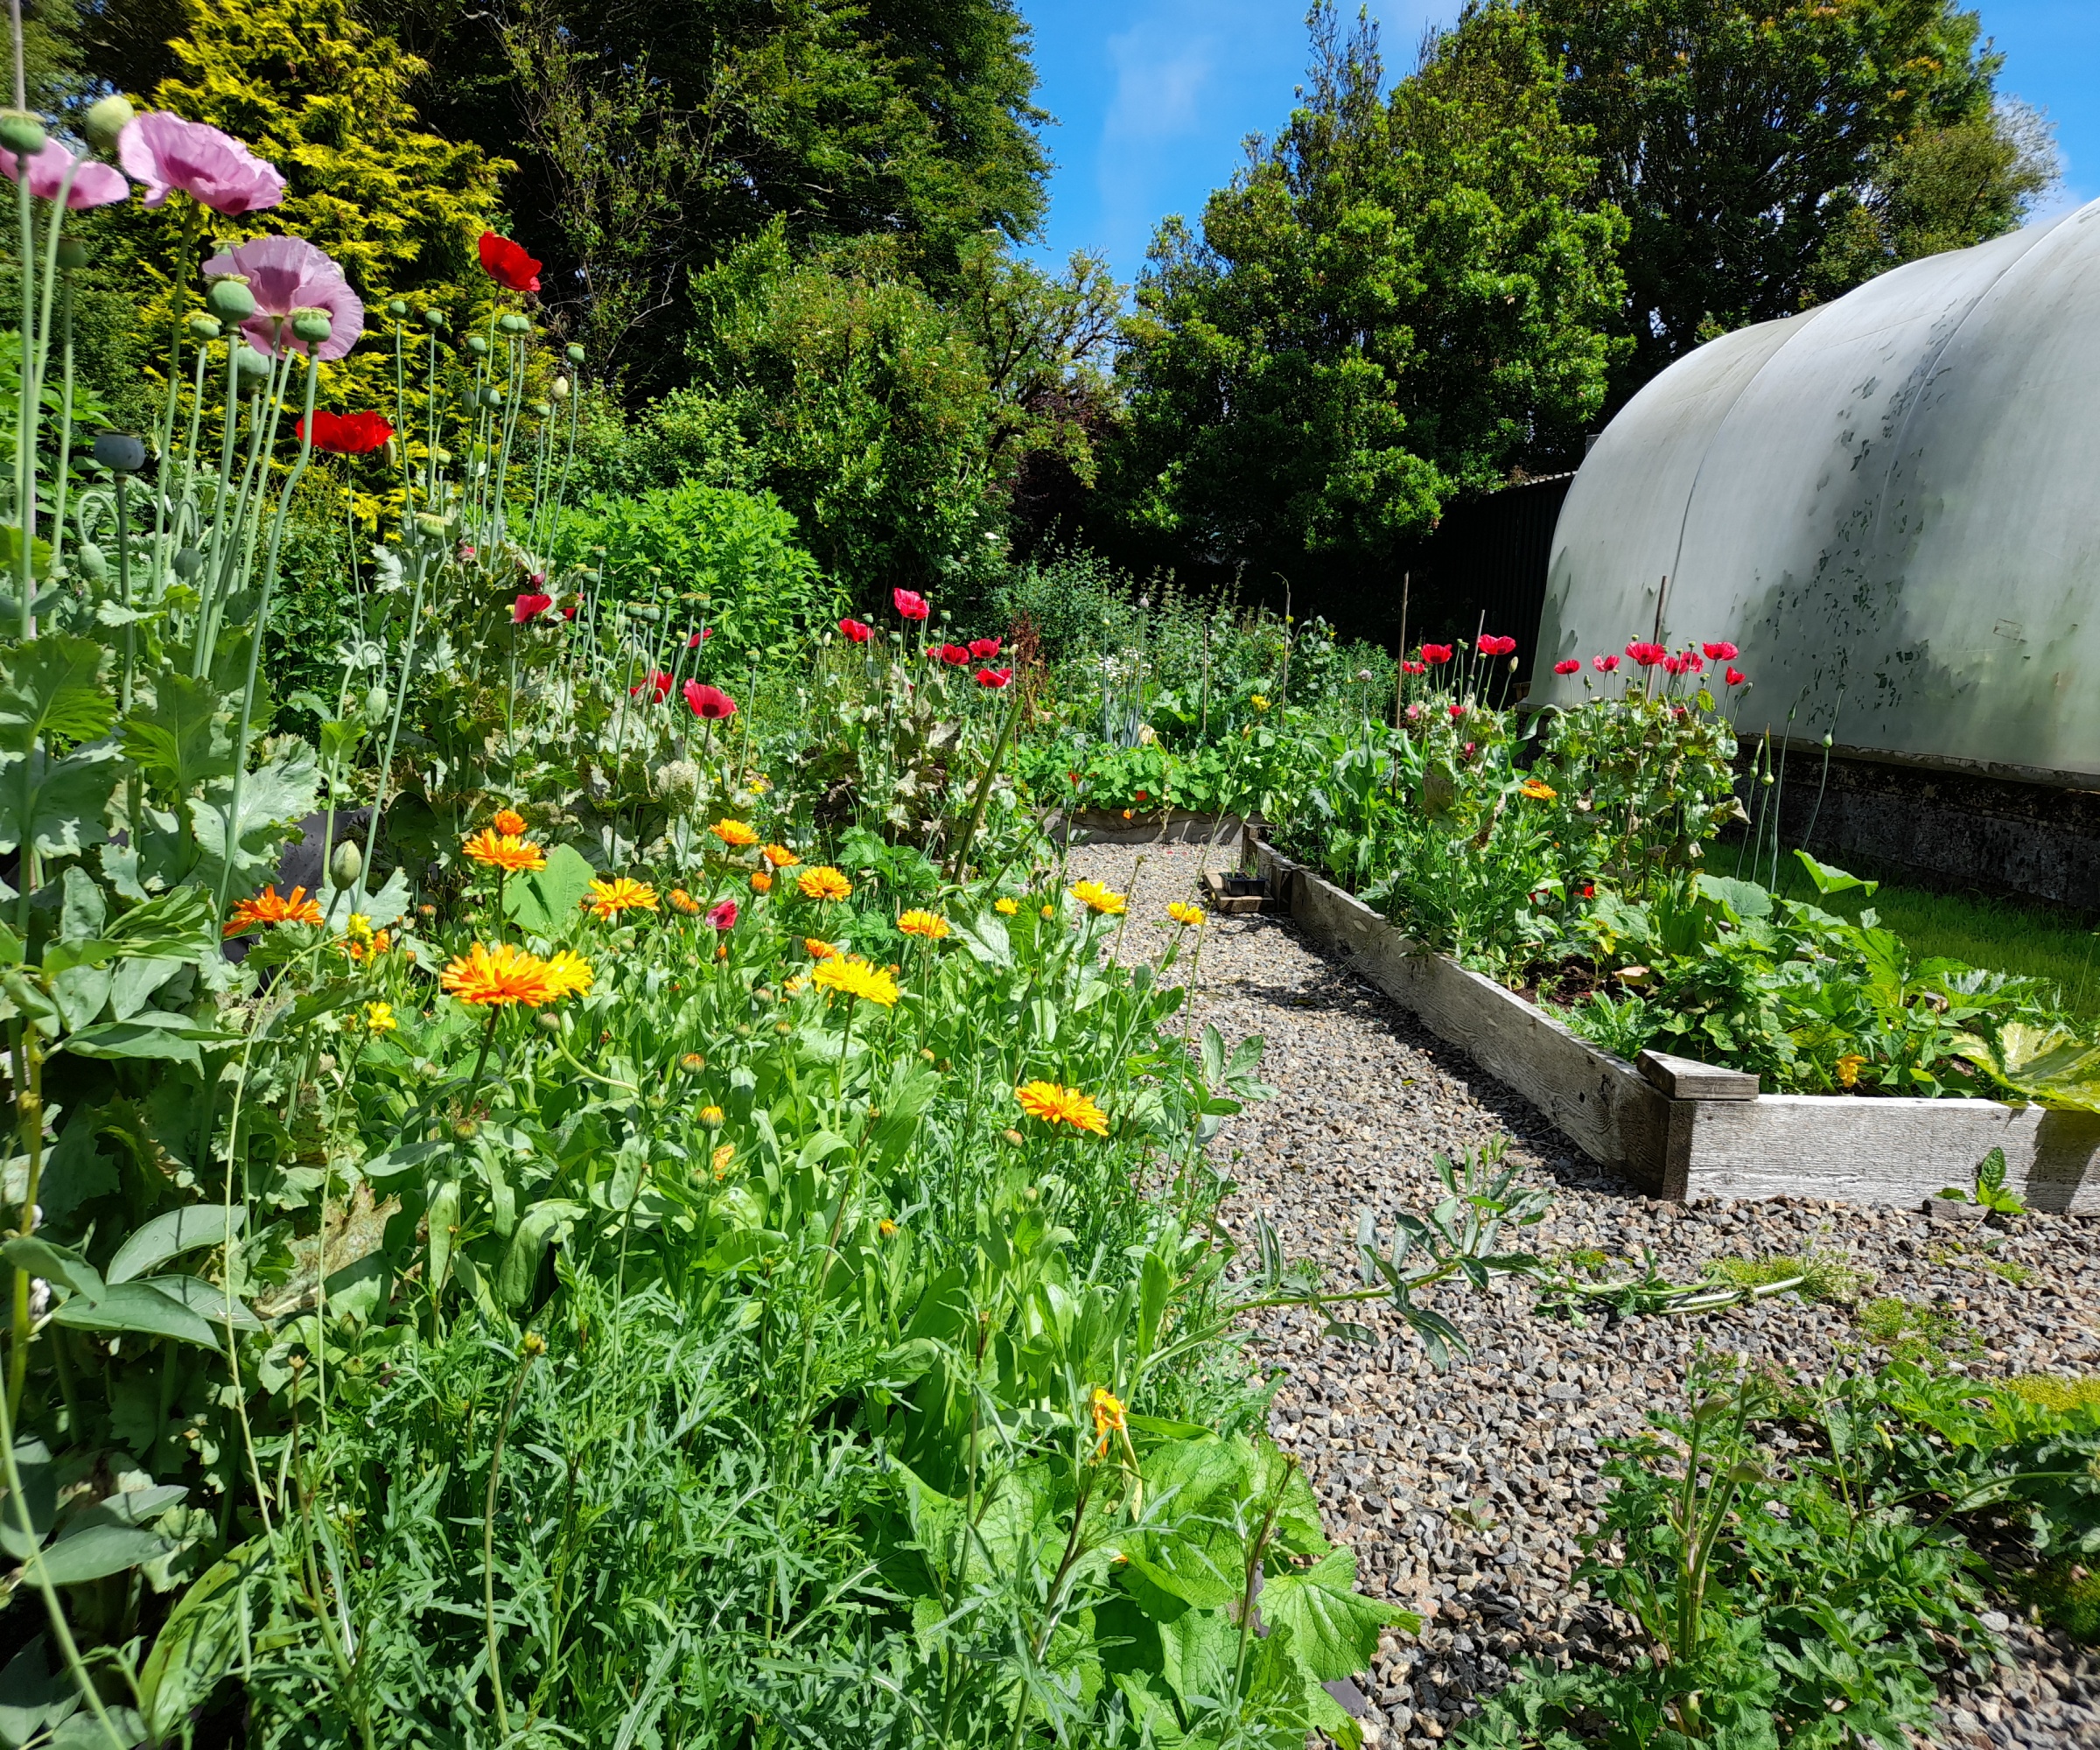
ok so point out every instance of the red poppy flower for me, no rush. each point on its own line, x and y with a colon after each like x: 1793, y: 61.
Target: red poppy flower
x: 529, y: 607
x: 855, y: 631
x: 694, y: 642
x: 1736, y: 678
x: 710, y: 703
x: 1646, y: 654
x: 1407, y: 668
x: 954, y: 655
x: 1694, y: 663
x: 1493, y: 646
x: 984, y: 649
x: 661, y: 681
x: 1604, y: 665
x: 1457, y: 711
x: 1570, y: 666
x: 723, y: 916
x: 1721, y: 651
x: 1589, y: 889
x: 508, y: 265
x: 910, y: 605
x: 346, y: 434
x: 1673, y: 665
x: 568, y: 612
x: 1436, y: 654
x: 994, y: 678
x: 1144, y: 797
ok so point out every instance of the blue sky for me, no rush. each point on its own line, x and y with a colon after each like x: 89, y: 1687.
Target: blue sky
x: 1153, y: 97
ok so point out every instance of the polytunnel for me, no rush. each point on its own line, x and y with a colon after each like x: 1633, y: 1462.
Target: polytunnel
x: 1887, y: 502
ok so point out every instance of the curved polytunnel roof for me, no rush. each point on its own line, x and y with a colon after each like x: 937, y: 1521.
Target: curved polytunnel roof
x: 1889, y: 502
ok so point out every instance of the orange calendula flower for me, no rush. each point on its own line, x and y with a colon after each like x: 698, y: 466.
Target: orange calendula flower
x: 823, y: 882
x: 495, y: 977
x: 734, y: 834
x: 1005, y: 908
x: 926, y: 924
x: 819, y: 948
x: 270, y: 906
x: 1108, y: 1419
x: 1056, y: 1105
x: 761, y: 881
x: 505, y: 851
x: 1537, y: 789
x: 1104, y: 901
x: 857, y: 978
x: 509, y: 823
x: 569, y: 973
x: 1182, y: 913
x: 723, y: 1154
x: 778, y: 856
x: 684, y: 902
x: 609, y: 899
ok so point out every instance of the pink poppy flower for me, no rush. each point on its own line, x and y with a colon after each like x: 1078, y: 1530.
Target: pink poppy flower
x: 723, y: 916
x: 1604, y: 665
x: 710, y: 703
x: 94, y: 185
x: 912, y: 606
x: 1721, y: 651
x: 994, y: 678
x: 169, y: 154
x: 1570, y: 666
x: 984, y: 649
x: 284, y: 274
x: 529, y: 607
x: 855, y: 631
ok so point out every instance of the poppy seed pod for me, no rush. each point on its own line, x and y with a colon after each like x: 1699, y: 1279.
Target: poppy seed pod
x: 434, y: 320
x: 203, y: 327
x: 348, y: 864
x: 313, y: 326
x: 230, y: 299
x: 252, y: 363
x: 21, y: 133
x: 511, y: 322
x: 491, y: 397
x: 396, y: 309
x: 105, y: 120
x: 73, y: 254
x: 120, y: 453
x: 477, y: 345
x: 542, y: 409
x: 187, y: 563
x: 575, y: 354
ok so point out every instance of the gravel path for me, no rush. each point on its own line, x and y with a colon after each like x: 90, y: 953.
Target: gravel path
x: 1464, y: 1493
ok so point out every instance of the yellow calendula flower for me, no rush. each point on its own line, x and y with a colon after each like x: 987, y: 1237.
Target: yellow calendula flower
x: 795, y: 986
x: 685, y: 903
x: 1537, y: 789
x: 734, y: 834
x: 504, y: 850
x: 1258, y: 702
x: 1005, y: 908
x: 1182, y: 913
x: 778, y: 856
x: 1108, y: 1419
x: 609, y: 899
x: 724, y: 1152
x: 569, y: 973
x: 1102, y: 900
x: 886, y: 1227
x: 1849, y: 1066
x: 498, y: 977
x: 358, y: 930
x: 379, y: 1018
x: 1056, y: 1105
x: 857, y: 978
x: 712, y: 1118
x: 926, y: 924
x: 823, y: 882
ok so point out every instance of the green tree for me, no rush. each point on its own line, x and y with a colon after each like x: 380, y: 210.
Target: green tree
x: 654, y: 138
x: 1771, y: 155
x: 1396, y: 300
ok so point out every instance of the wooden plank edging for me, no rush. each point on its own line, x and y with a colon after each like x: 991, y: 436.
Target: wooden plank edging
x: 1826, y: 1146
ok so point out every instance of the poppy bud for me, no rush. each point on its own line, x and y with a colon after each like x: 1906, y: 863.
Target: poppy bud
x: 348, y: 864
x: 576, y: 355
x: 1826, y: 741
x: 203, y: 327
x: 396, y: 309
x: 430, y: 522
x: 187, y: 563
x: 491, y: 397
x: 434, y: 320
x: 120, y: 453
x: 21, y: 133
x: 559, y: 390
x: 93, y: 565
x: 105, y: 120
x: 73, y: 254
x: 477, y: 345
x: 230, y: 298
x: 313, y: 326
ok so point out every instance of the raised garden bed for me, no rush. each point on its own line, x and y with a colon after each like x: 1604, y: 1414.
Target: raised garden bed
x: 1683, y: 1130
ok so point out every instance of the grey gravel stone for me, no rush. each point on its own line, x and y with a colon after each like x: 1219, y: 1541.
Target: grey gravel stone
x: 1465, y: 1495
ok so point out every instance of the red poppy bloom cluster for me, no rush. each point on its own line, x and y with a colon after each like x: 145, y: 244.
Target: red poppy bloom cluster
x: 711, y: 703
x: 346, y: 434
x: 855, y: 631
x: 1492, y: 644
x: 1692, y: 660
